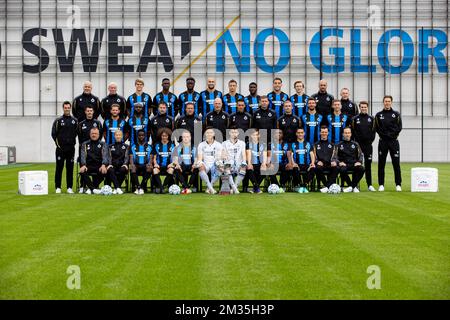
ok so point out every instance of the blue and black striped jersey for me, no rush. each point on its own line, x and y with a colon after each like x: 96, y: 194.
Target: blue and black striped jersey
x: 141, y: 153
x: 186, y: 97
x: 136, y: 124
x: 311, y: 125
x: 171, y: 100
x: 110, y: 126
x: 252, y: 103
x: 257, y: 150
x: 278, y: 153
x: 299, y: 104
x: 230, y: 102
x: 336, y: 125
x: 276, y: 101
x: 163, y: 153
x: 144, y: 98
x: 186, y: 154
x: 207, y: 101
x: 301, y: 152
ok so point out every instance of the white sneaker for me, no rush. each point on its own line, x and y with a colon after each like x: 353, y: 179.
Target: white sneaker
x: 235, y: 190
x: 119, y: 191
x: 141, y: 191
x: 381, y: 188
x: 88, y: 191
x: 348, y: 189
x: 212, y: 191
x: 114, y: 191
x: 96, y: 191
x: 324, y: 190
x: 355, y: 190
x: 398, y: 188
x: 70, y: 191
x: 81, y: 190
x: 137, y: 191
x: 371, y: 188
x: 58, y: 190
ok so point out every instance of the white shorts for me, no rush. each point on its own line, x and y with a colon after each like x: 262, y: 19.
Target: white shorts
x: 210, y: 167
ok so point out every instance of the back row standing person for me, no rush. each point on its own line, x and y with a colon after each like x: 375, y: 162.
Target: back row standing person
x: 110, y: 99
x: 83, y: 100
x: 141, y: 97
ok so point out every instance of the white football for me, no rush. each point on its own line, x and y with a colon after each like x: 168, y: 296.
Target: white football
x: 334, y: 189
x: 273, y: 189
x: 174, y: 189
x: 106, y: 190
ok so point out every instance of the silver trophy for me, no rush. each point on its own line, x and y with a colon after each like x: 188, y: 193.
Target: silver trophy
x: 225, y: 170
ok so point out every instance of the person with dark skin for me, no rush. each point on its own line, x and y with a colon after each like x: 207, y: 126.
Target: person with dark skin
x: 168, y: 97
x: 253, y: 99
x: 140, y: 163
x: 138, y: 122
x: 190, y: 95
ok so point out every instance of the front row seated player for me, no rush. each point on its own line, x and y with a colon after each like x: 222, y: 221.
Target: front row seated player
x: 184, y: 162
x: 140, y: 163
x: 256, y: 160
x: 118, y: 162
x: 162, y: 160
x: 301, y: 159
x: 93, y: 162
x: 278, y: 156
x: 325, y: 163
x: 349, y: 157
x: 209, y: 152
x: 234, y: 155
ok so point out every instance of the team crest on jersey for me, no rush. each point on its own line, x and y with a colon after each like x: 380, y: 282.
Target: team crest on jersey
x: 270, y: 114
x: 294, y: 121
x: 368, y: 120
x: 99, y: 146
x: 223, y: 117
x: 73, y: 121
x: 167, y: 120
x: 341, y: 147
x: 329, y: 146
x: 393, y: 115
x: 328, y: 98
x: 353, y: 146
x: 92, y: 100
x: 118, y: 99
x: 245, y: 117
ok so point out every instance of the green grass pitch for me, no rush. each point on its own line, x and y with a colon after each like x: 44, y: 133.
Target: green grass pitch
x: 290, y: 246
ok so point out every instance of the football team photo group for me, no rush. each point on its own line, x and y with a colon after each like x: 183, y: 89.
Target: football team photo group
x: 256, y: 143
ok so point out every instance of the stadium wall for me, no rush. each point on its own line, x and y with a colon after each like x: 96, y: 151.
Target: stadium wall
x: 372, y: 47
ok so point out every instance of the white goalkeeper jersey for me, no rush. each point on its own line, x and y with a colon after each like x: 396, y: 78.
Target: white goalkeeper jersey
x: 210, y: 152
x: 234, y: 151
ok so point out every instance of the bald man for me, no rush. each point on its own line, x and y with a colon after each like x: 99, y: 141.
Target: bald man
x: 85, y: 99
x: 324, y: 101
x: 207, y: 98
x: 110, y: 99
